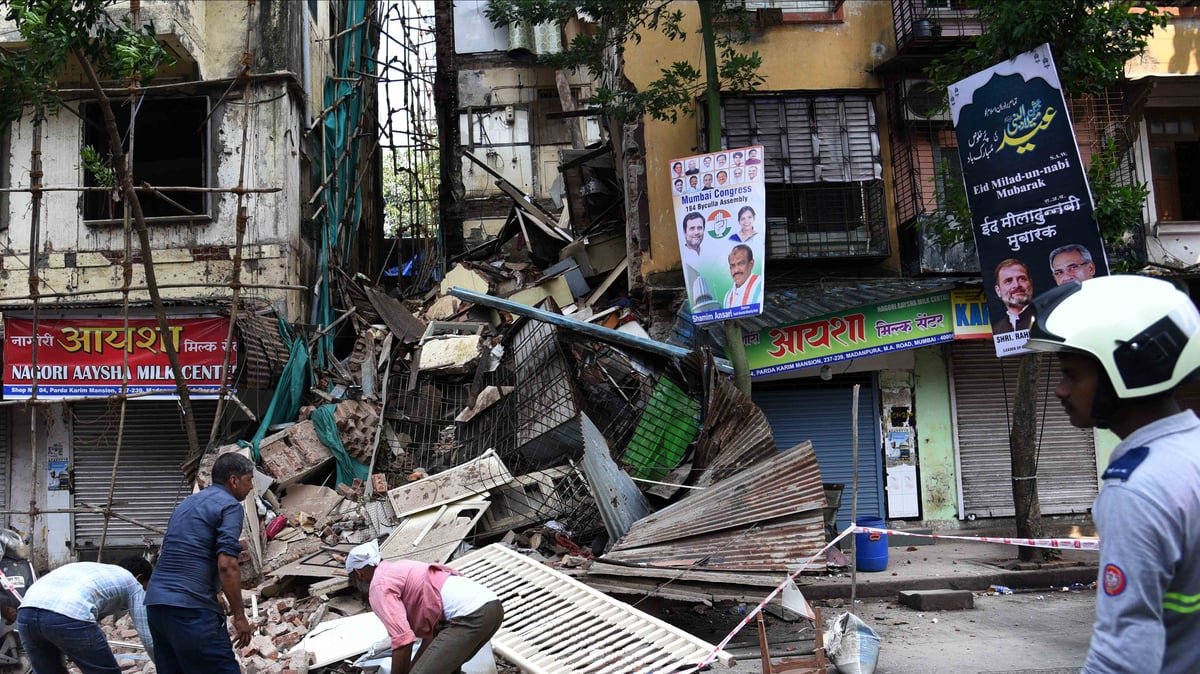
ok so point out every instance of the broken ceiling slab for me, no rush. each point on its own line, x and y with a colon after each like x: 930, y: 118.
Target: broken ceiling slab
x: 309, y: 498
x: 453, y: 353
x: 473, y: 477
x: 489, y: 396
x: 554, y: 623
x: 432, y: 536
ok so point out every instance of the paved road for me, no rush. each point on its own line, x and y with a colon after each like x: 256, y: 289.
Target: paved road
x: 1010, y: 634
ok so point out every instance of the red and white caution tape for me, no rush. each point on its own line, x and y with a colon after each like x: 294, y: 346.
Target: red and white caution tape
x: 762, y: 604
x: 1056, y: 543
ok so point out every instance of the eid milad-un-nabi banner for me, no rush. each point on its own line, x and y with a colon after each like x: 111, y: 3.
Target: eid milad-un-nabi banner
x: 721, y: 223
x: 1031, y: 208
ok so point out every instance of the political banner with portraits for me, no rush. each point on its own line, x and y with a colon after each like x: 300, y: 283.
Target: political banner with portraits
x: 720, y: 219
x: 1031, y: 209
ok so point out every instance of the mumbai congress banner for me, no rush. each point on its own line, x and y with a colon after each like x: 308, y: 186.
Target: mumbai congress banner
x: 1031, y: 208
x: 907, y: 323
x: 720, y: 219
x: 87, y: 356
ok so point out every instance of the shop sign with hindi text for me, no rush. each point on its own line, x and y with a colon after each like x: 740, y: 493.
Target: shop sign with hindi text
x: 94, y: 356
x: 907, y: 323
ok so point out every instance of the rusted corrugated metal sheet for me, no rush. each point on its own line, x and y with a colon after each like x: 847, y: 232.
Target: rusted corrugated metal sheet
x: 764, y: 517
x: 263, y: 354
x: 734, y: 432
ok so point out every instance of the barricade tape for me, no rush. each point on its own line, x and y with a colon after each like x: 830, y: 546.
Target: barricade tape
x: 1055, y: 543
x: 10, y: 587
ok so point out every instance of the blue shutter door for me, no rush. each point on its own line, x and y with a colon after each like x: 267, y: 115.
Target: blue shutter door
x: 821, y: 413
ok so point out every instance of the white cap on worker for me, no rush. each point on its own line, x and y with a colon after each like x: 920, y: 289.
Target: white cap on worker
x: 366, y: 554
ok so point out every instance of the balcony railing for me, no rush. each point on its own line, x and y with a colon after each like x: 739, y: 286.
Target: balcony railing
x: 933, y: 26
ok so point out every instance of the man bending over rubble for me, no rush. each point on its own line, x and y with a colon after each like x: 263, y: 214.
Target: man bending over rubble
x: 199, y: 556
x: 452, y: 615
x: 61, y: 612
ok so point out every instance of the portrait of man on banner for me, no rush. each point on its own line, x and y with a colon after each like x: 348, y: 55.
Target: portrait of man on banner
x: 1031, y: 207
x: 722, y: 239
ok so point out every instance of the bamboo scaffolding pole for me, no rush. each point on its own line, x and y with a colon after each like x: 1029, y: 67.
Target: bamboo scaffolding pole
x: 162, y: 286
x: 235, y: 284
x: 146, y: 187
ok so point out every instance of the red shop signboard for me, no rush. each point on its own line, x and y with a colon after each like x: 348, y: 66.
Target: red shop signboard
x: 87, y: 356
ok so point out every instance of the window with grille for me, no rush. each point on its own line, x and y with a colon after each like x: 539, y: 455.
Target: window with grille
x: 822, y: 169
x: 797, y: 6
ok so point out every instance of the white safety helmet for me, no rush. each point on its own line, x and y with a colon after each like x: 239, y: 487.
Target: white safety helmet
x: 1144, y: 332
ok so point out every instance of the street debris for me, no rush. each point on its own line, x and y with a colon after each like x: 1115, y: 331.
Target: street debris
x: 516, y: 421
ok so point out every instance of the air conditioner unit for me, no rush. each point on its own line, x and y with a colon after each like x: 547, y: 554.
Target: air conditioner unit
x: 923, y: 101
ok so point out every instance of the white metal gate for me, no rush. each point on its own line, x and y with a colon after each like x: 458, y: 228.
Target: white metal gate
x: 984, y: 389
x: 149, y: 481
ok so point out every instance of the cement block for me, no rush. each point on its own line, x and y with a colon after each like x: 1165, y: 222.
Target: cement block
x: 937, y: 600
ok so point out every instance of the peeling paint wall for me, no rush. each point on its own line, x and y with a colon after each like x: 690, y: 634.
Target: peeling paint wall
x: 50, y: 538
x: 797, y: 56
x: 935, y: 437
x: 78, y: 255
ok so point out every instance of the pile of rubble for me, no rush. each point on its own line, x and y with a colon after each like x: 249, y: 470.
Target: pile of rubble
x: 520, y: 402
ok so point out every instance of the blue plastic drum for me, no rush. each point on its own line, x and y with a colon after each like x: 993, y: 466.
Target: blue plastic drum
x: 871, y: 549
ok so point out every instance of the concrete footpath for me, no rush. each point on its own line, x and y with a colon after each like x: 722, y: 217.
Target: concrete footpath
x: 957, y: 565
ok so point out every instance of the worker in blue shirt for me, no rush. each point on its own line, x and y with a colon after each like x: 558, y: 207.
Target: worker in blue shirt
x: 199, y: 557
x: 1125, y: 344
x: 60, y: 614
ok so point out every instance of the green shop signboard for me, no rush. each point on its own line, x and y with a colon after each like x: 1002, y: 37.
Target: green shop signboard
x: 907, y: 323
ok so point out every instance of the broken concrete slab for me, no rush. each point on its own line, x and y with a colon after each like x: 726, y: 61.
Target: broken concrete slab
x: 487, y: 397
x: 309, y: 498
x: 336, y: 640
x: 938, y: 600
x: 451, y: 353
x: 473, y: 477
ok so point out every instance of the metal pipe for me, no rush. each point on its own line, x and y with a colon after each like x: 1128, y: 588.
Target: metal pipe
x: 590, y: 329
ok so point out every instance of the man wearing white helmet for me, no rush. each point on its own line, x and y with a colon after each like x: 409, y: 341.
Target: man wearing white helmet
x: 452, y: 615
x: 1125, y: 344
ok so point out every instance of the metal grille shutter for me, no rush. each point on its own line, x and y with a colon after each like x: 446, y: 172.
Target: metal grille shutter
x: 149, y: 481
x: 1067, y: 481
x: 821, y: 413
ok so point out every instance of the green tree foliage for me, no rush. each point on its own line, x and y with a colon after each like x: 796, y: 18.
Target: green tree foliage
x: 1092, y: 40
x: 410, y: 193
x: 619, y: 22
x: 55, y: 30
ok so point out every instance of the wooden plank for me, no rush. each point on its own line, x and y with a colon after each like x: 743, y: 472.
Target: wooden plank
x: 608, y: 281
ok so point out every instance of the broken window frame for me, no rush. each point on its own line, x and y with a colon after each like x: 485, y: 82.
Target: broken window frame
x: 822, y: 155
x: 149, y: 125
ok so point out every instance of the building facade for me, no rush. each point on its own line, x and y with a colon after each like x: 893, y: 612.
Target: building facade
x: 858, y: 156
x: 240, y: 134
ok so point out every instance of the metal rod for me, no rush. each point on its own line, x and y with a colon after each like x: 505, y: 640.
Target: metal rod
x: 854, y: 493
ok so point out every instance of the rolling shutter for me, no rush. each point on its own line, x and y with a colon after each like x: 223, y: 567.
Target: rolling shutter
x: 1067, y: 481
x: 149, y: 480
x: 5, y: 458
x: 821, y: 413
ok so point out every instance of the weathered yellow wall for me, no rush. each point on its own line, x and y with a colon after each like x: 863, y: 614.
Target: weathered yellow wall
x: 804, y: 56
x: 1174, y: 50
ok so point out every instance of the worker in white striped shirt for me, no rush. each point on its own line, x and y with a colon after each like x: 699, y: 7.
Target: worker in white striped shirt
x: 747, y: 286
x: 61, y: 612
